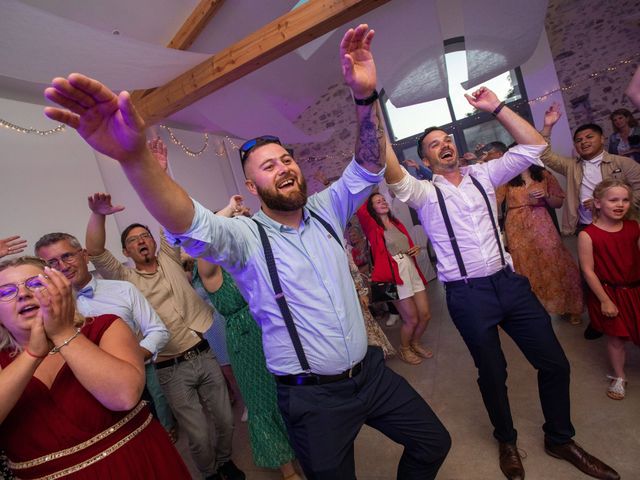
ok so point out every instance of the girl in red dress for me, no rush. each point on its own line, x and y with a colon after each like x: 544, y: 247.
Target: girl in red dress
x: 609, y: 252
x: 70, y: 387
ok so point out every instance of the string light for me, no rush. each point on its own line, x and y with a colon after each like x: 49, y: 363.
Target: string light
x: 31, y: 130
x: 566, y: 88
x: 185, y: 149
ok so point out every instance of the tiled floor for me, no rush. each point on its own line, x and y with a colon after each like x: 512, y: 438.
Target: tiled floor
x: 606, y: 428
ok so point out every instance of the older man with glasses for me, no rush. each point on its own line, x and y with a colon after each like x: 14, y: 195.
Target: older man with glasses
x: 95, y: 296
x: 290, y: 265
x: 187, y: 369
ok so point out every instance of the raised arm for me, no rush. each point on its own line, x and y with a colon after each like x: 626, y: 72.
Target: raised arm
x: 12, y: 245
x: 359, y: 71
x: 100, y: 206
x: 111, y: 125
x: 633, y: 90
x: 15, y: 377
x: 113, y: 371
x: 521, y: 130
x: 550, y: 158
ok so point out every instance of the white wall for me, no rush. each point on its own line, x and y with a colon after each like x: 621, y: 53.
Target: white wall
x: 45, y: 180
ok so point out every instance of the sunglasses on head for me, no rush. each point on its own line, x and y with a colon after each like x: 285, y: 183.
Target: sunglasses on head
x: 249, y: 145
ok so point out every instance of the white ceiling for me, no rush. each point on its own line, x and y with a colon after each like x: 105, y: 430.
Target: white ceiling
x: 39, y: 40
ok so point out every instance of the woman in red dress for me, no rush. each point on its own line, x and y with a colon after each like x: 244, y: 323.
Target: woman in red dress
x: 70, y: 387
x: 609, y: 252
x: 394, y: 261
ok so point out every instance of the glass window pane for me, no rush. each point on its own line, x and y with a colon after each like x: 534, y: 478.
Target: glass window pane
x: 504, y: 85
x: 486, y: 132
x: 408, y: 121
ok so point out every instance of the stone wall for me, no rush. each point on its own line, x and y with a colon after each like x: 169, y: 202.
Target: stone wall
x: 588, y: 37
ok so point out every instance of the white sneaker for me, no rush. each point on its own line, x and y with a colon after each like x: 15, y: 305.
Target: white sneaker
x: 245, y: 415
x: 393, y: 318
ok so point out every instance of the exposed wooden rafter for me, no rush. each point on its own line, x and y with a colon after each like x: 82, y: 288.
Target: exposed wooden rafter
x: 189, y: 31
x: 283, y: 35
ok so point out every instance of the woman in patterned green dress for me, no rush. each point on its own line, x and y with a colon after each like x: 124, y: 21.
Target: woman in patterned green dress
x: 267, y: 432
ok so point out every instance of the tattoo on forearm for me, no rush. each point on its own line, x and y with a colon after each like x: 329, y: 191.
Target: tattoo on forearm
x: 370, y: 146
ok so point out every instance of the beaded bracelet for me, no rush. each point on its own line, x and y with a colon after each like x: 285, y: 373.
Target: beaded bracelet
x: 55, y: 350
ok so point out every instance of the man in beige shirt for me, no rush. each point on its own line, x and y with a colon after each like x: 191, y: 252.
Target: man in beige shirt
x: 187, y: 369
x: 592, y: 166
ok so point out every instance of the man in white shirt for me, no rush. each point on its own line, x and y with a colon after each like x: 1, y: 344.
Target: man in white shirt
x: 94, y: 296
x: 457, y: 210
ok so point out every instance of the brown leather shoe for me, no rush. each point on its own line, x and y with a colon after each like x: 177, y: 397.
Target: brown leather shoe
x: 583, y: 461
x: 510, y: 462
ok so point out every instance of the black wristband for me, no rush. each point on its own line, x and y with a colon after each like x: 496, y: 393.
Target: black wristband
x: 498, y: 109
x: 367, y: 101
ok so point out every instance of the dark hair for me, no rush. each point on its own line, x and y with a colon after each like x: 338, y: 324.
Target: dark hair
x: 632, y: 122
x: 125, y: 233
x: 374, y: 214
x: 422, y: 137
x: 247, y: 147
x: 587, y: 126
x: 55, y: 237
x: 497, y: 145
x: 537, y: 174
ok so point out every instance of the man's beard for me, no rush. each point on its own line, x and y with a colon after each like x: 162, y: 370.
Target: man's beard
x: 284, y: 203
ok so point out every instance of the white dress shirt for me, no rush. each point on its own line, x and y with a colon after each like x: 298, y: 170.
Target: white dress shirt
x: 123, y: 299
x: 467, y: 211
x: 591, y: 176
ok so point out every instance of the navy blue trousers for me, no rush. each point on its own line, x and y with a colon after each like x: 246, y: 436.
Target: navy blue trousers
x: 324, y: 420
x: 505, y: 299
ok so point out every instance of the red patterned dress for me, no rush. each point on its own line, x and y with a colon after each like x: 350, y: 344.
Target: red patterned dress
x: 616, y: 260
x: 65, y: 432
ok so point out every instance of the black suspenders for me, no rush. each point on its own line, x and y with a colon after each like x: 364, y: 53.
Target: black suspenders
x: 277, y: 288
x: 452, y: 236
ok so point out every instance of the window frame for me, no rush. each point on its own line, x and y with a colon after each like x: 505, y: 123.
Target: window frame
x: 457, y: 127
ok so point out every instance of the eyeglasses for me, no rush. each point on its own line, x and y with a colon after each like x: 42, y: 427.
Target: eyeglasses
x: 249, y: 145
x: 9, y: 291
x: 135, y: 238
x: 66, y: 258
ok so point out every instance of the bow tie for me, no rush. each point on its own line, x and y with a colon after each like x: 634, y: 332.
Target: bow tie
x: 86, y: 292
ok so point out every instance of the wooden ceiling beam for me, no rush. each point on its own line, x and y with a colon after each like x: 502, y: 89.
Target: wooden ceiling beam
x: 189, y: 31
x: 283, y: 35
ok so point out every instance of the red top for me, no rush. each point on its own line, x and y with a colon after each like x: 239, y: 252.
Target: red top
x: 46, y: 420
x: 616, y: 262
x: 381, y: 257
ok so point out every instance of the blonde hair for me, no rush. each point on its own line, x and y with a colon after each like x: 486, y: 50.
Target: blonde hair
x: 606, y: 185
x: 6, y: 339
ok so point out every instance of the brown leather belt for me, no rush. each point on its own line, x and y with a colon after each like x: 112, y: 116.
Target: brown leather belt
x: 190, y: 354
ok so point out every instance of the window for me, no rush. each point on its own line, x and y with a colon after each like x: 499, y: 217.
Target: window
x: 454, y: 114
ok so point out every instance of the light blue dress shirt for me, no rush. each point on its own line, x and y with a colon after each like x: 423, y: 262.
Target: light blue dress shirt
x: 313, y: 270
x: 125, y: 300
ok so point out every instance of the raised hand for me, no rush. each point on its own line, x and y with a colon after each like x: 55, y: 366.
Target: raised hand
x: 57, y: 306
x: 358, y: 67
x: 321, y: 177
x: 100, y: 203
x: 410, y: 163
x: 11, y: 245
x: 159, y: 151
x: 235, y: 208
x: 483, y: 99
x: 552, y: 115
x: 108, y: 122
